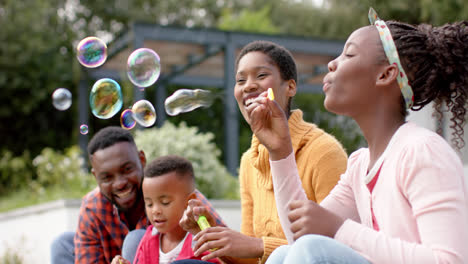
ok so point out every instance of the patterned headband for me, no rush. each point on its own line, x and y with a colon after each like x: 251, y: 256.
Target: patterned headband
x: 392, y: 56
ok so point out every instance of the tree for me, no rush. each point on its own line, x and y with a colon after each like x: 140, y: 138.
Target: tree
x: 35, y: 59
x: 248, y: 21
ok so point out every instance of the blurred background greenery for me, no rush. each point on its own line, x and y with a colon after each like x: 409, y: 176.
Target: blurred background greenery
x: 37, y: 56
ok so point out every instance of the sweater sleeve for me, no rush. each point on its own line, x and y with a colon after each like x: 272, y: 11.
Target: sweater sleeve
x: 288, y: 187
x: 270, y: 244
x: 326, y: 164
x: 246, y: 202
x: 430, y: 176
x: 341, y: 199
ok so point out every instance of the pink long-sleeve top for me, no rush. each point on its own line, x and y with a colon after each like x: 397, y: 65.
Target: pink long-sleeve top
x: 419, y: 201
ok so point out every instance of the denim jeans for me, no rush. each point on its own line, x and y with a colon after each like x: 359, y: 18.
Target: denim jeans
x: 130, y: 244
x: 315, y: 249
x: 62, y: 249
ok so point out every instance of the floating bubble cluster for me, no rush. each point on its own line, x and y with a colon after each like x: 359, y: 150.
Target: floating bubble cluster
x: 91, y: 52
x: 83, y: 129
x: 126, y: 119
x: 62, y: 99
x: 143, y: 67
x: 186, y: 100
x: 105, y: 98
x: 144, y: 113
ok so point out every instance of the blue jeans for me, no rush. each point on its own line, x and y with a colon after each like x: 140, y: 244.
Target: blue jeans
x: 315, y: 249
x: 130, y: 244
x: 62, y: 249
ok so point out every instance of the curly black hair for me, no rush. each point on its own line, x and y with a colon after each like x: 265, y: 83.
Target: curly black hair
x: 436, y: 62
x: 107, y: 137
x: 279, y: 55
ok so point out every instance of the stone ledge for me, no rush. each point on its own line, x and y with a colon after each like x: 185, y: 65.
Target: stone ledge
x: 41, y: 208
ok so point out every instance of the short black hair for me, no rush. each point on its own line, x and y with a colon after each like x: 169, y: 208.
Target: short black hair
x: 107, y: 137
x: 170, y: 163
x: 277, y: 53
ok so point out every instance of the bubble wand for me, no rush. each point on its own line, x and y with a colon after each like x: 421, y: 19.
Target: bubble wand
x: 271, y: 95
x: 203, y: 222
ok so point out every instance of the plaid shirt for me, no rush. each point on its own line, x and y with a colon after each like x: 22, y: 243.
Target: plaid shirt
x: 102, y: 228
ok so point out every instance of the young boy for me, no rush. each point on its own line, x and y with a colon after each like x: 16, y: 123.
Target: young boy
x: 168, y: 184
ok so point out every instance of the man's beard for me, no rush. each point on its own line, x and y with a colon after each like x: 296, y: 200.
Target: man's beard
x: 139, y: 197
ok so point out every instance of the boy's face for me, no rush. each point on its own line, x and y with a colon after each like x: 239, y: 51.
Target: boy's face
x: 119, y: 171
x: 166, y: 198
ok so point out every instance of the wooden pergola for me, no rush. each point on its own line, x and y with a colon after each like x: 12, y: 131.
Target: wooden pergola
x: 204, y: 58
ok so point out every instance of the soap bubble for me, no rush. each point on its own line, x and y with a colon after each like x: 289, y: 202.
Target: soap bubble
x: 143, y: 67
x: 105, y: 98
x: 126, y: 119
x: 83, y: 129
x: 91, y: 52
x: 62, y: 99
x: 186, y: 100
x: 144, y: 113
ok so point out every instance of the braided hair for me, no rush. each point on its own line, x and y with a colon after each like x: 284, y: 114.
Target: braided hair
x: 436, y: 62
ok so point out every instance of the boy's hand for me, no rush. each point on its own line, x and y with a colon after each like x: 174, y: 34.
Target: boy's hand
x: 194, y: 209
x: 119, y: 260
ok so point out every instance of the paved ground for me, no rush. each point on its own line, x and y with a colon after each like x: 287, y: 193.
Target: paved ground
x: 28, y: 232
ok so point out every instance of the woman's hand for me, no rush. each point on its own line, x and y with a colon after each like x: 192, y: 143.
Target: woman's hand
x: 119, y: 260
x: 269, y: 124
x: 308, y: 217
x: 223, y: 241
x: 194, y: 209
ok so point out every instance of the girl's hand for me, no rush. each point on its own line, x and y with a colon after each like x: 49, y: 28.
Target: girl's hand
x: 270, y: 125
x: 194, y: 209
x: 308, y: 217
x: 222, y: 241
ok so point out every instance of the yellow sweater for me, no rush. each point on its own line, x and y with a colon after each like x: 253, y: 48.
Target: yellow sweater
x: 320, y: 161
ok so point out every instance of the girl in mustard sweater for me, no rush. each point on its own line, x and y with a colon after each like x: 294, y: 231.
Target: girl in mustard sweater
x: 320, y: 160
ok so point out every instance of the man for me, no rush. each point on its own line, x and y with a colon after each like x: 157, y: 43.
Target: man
x: 114, y: 208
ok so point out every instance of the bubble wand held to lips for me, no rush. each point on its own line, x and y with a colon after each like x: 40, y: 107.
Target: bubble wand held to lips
x: 271, y: 95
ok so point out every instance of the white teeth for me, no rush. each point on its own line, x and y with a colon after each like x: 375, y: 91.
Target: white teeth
x: 125, y: 193
x: 249, y: 101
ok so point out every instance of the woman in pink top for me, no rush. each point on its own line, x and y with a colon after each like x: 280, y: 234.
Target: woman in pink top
x: 402, y: 199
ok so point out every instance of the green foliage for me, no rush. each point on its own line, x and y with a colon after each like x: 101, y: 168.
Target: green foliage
x: 212, y: 178
x: 54, y: 168
x: 15, y: 172
x: 35, y: 59
x: 248, y: 21
x: 49, y: 176
x: 12, y: 256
